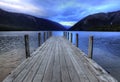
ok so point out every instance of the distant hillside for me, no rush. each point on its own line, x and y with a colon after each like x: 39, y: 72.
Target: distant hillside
x: 16, y: 22
x: 99, y: 22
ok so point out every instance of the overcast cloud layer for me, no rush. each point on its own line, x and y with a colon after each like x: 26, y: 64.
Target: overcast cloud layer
x: 66, y: 12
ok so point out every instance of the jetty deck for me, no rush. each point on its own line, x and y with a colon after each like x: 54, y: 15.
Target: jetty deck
x: 57, y: 60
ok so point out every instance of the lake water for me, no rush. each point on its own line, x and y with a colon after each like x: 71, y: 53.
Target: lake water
x: 106, y: 49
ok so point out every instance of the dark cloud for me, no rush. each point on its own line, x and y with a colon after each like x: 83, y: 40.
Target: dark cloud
x: 60, y: 10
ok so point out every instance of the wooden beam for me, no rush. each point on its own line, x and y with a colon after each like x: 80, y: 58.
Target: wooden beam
x: 77, y: 40
x: 27, y: 49
x: 39, y: 39
x: 90, y: 49
x: 68, y: 35
x: 47, y: 34
x: 71, y: 38
x: 44, y: 35
x: 64, y: 33
x: 50, y: 33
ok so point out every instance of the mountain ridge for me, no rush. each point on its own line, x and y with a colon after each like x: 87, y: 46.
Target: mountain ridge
x: 10, y: 21
x: 99, y: 22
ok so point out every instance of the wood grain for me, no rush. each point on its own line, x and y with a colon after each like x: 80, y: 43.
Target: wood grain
x: 57, y: 60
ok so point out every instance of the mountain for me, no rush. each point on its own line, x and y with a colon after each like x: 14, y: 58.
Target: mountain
x: 22, y: 22
x: 99, y: 22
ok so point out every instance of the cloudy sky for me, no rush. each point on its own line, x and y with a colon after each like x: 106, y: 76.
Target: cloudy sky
x: 66, y: 12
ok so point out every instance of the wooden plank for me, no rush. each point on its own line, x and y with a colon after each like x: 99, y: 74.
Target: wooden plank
x: 57, y: 60
x: 49, y: 69
x: 80, y: 72
x: 102, y: 77
x: 101, y: 74
x: 72, y: 72
x: 64, y: 71
x: 35, y: 68
x: 81, y: 68
x: 56, y: 73
x: 40, y: 74
x: 26, y: 70
x: 15, y: 72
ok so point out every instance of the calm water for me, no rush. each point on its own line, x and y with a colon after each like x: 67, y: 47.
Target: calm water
x: 106, y: 50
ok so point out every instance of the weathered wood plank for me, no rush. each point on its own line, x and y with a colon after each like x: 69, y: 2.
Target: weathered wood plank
x: 78, y: 69
x: 28, y: 67
x: 71, y: 69
x: 56, y: 73
x: 80, y: 65
x: 49, y: 69
x: 40, y: 74
x: 57, y: 60
x: 35, y: 68
x: 93, y: 67
x: 65, y: 77
x: 16, y: 72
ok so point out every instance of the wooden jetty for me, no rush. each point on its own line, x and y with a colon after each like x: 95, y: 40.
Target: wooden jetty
x: 57, y: 60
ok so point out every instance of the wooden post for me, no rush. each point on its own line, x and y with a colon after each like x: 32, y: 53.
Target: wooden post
x: 47, y: 34
x: 50, y: 33
x: 39, y: 39
x: 71, y: 37
x: 77, y: 40
x: 64, y: 33
x: 68, y: 35
x: 90, y: 49
x: 27, y: 50
x: 44, y: 35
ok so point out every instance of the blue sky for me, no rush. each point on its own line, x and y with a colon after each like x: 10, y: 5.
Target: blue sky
x: 65, y: 12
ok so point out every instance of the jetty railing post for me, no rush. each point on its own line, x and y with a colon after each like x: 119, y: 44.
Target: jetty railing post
x: 71, y: 37
x: 39, y: 39
x: 90, y: 49
x: 68, y: 35
x: 27, y: 49
x: 77, y: 40
x: 44, y: 35
x: 50, y: 33
x: 64, y: 33
x: 47, y: 34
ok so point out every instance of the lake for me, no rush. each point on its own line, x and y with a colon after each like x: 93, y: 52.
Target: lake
x: 106, y: 46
